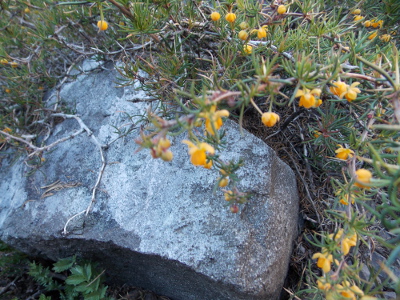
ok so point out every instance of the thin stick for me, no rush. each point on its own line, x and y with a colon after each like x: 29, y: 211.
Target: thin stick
x: 65, y: 232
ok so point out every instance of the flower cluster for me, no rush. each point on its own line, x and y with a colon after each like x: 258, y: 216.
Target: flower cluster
x: 341, y: 89
x: 373, y: 23
x: 198, y: 153
x: 344, y: 241
x: 234, y: 197
x: 214, y: 118
x: 345, y: 290
x: 309, y: 98
x: 160, y: 149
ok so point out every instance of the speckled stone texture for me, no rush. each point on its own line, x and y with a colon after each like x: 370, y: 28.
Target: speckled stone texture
x: 154, y: 224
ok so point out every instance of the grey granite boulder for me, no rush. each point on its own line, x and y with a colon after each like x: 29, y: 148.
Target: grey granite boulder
x: 154, y: 224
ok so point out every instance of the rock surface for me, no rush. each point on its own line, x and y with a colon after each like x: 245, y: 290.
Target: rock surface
x: 154, y: 224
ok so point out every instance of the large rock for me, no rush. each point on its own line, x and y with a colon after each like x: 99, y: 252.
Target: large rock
x: 154, y: 224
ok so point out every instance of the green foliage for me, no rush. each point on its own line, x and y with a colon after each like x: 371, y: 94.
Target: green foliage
x: 12, y: 262
x: 79, y: 280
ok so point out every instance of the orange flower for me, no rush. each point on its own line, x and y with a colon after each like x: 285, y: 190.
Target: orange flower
x: 345, y: 200
x: 324, y: 260
x: 230, y: 17
x: 269, y: 119
x: 363, y: 176
x: 102, y: 25
x: 339, y: 88
x: 223, y: 182
x: 281, y: 9
x: 377, y: 24
x: 347, y: 242
x: 347, y: 291
x: 373, y: 35
x: 352, y: 91
x: 198, y: 156
x: 307, y: 97
x: 214, y: 118
x: 262, y: 32
x: 215, y: 16
x: 343, y: 153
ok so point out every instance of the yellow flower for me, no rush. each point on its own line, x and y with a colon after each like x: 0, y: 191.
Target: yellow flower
x: 261, y: 32
x: 243, y: 35
x: 324, y: 260
x: 358, y: 18
x: 160, y: 149
x: 281, y: 9
x: 323, y: 285
x: 367, y: 23
x: 3, y: 61
x: 339, y: 88
x: 373, y: 35
x: 307, y: 97
x: 244, y: 25
x: 356, y: 11
x: 270, y: 118
x: 214, y: 118
x: 348, y: 242
x: 198, y: 156
x: 363, y: 176
x: 7, y: 130
x: 348, y: 291
x: 230, y: 17
x: 247, y: 49
x: 215, y: 16
x: 7, y: 91
x: 223, y: 182
x: 345, y: 200
x: 102, y: 25
x: 385, y: 38
x: 377, y: 24
x: 167, y: 155
x: 228, y: 195
x: 14, y: 64
x: 343, y: 153
x: 27, y: 10
x: 352, y: 91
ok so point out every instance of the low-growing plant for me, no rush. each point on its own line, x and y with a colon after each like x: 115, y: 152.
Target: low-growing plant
x: 70, y: 280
